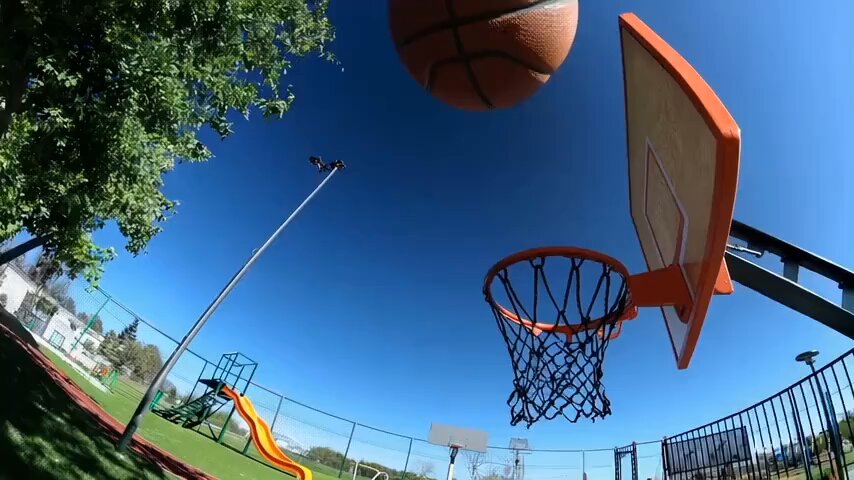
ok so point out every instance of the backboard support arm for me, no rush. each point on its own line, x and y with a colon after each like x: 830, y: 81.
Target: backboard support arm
x: 453, y: 451
x: 785, y: 288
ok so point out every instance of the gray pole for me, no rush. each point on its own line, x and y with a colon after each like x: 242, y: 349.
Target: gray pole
x: 808, y: 357
x: 155, y: 385
x: 406, y: 465
x: 583, y: 466
x: 347, y: 450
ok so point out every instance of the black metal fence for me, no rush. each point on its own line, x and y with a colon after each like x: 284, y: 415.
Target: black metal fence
x: 626, y: 462
x: 803, y: 432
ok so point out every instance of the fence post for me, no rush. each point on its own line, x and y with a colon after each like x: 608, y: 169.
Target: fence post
x: 221, y: 436
x: 634, y: 460
x: 832, y: 427
x: 272, y: 424
x: 583, y: 466
x: 87, y: 327
x: 347, y: 450
x: 406, y: 464
x: 799, y: 431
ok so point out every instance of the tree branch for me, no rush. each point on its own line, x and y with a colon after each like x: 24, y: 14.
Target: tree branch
x: 21, y: 249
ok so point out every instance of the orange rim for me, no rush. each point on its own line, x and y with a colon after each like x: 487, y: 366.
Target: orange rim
x: 567, y: 252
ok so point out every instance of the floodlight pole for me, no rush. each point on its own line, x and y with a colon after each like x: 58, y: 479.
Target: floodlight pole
x: 154, y: 387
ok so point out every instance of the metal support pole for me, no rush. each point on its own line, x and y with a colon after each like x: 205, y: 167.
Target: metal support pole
x: 406, y: 464
x: 221, y: 435
x: 142, y: 408
x: 583, y: 466
x: 454, y: 450
x: 88, y: 326
x: 272, y: 425
x: 799, y: 431
x: 847, y: 297
x: 346, y: 450
x: 634, y: 461
x: 838, y: 463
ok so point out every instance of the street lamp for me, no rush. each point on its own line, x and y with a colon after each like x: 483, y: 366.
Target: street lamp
x: 148, y: 397
x: 808, y: 358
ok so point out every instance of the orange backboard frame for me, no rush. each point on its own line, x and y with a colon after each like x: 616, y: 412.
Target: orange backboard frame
x: 681, y: 96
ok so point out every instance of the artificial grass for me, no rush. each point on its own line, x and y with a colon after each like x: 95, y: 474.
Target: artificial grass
x: 223, y: 461
x: 43, y: 434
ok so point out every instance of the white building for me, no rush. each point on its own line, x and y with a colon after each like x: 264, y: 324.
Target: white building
x: 60, y: 330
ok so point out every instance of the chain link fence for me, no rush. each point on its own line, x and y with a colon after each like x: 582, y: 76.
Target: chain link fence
x: 119, y: 350
x: 803, y: 432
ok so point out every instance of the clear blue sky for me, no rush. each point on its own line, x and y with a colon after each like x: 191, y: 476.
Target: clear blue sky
x: 370, y: 305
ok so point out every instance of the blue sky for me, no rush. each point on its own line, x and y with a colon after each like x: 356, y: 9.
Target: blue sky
x: 370, y: 305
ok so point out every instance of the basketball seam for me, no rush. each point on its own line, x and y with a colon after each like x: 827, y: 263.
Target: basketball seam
x: 455, y: 22
x: 431, y: 73
x: 461, y: 52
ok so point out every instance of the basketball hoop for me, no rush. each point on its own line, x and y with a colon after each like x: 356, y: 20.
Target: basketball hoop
x: 577, y: 302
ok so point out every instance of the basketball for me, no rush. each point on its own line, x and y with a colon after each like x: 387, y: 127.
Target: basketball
x: 483, y: 54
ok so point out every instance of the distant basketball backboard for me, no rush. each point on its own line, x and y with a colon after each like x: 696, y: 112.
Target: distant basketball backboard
x: 683, y: 155
x: 464, y: 438
x: 519, y: 444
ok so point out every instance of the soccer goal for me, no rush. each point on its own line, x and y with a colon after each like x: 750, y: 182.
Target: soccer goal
x: 365, y: 471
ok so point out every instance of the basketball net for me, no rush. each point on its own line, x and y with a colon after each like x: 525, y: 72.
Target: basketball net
x: 557, y: 337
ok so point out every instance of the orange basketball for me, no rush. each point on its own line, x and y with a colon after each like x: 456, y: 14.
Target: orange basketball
x: 483, y: 54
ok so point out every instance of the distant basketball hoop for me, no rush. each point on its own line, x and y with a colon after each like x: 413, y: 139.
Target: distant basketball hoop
x: 456, y: 439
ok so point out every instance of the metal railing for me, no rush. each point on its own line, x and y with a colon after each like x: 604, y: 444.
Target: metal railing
x: 804, y: 431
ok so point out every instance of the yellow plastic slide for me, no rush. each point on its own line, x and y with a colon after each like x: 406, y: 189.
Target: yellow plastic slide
x: 263, y: 436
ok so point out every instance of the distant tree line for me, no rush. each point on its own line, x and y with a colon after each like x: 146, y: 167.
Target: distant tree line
x: 126, y: 354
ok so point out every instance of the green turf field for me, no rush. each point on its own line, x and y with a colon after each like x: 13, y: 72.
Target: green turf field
x: 191, y: 447
x: 44, y: 435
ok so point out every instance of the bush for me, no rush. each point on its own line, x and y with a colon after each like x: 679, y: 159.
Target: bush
x: 3, y: 300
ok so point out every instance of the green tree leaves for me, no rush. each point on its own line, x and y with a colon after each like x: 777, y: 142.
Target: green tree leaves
x: 100, y: 98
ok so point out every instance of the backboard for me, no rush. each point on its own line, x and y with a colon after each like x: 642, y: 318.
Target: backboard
x: 467, y: 439
x: 683, y: 154
x: 519, y: 444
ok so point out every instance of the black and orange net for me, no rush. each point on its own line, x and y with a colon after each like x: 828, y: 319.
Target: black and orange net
x: 558, y: 308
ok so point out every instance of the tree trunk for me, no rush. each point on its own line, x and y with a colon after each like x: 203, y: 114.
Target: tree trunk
x: 21, y: 249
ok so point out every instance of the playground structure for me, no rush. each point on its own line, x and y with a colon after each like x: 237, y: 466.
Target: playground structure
x: 107, y: 375
x: 228, y: 383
